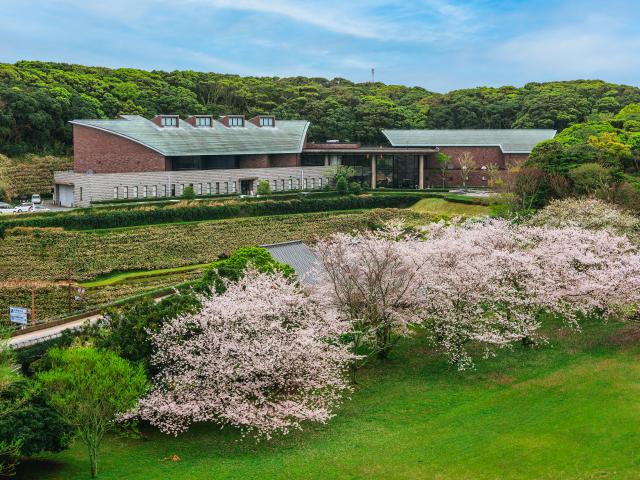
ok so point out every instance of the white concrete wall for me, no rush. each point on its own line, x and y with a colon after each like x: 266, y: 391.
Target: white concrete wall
x: 100, y: 186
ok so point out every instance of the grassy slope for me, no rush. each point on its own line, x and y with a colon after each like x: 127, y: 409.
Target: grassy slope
x: 439, y: 206
x: 567, y: 410
x: 126, y: 276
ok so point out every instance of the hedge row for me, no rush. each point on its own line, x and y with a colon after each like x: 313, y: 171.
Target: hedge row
x: 47, y: 254
x: 99, y: 219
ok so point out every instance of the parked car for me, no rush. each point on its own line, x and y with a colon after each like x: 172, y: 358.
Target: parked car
x: 38, y: 208
x: 5, y: 208
x: 24, y: 207
x: 35, y: 199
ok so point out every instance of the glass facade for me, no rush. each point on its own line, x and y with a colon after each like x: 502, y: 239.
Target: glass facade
x: 398, y: 170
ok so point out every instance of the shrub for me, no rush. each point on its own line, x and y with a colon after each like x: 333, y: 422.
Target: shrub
x: 31, y: 421
x: 590, y: 178
x: 342, y: 186
x: 189, y: 192
x: 263, y: 187
x: 355, y: 188
x: 233, y: 267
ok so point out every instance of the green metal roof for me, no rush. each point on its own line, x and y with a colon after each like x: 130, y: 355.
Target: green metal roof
x: 509, y: 140
x: 286, y: 137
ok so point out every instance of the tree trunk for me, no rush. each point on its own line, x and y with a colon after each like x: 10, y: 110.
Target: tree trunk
x: 93, y: 459
x: 384, y: 342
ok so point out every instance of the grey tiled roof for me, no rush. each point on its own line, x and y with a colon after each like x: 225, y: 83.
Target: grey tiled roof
x: 509, y: 140
x: 286, y: 137
x: 299, y: 256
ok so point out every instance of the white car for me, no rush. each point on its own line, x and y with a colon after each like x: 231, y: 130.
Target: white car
x: 5, y: 208
x: 36, y: 199
x: 24, y: 207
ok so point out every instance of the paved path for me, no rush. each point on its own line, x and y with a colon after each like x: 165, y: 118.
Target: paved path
x: 30, y: 338
x: 36, y: 336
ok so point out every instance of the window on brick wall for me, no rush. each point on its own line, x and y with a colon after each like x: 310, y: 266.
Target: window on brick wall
x: 80, y: 193
x: 291, y: 184
x: 217, y: 188
x: 267, y: 121
x: 209, y: 188
x: 275, y: 185
x: 283, y: 184
x: 203, y: 121
x: 115, y: 192
x: 236, y: 122
x: 173, y: 189
x: 144, y: 191
x: 169, y: 121
x: 125, y: 192
x: 199, y: 189
x: 154, y: 190
x: 134, y: 192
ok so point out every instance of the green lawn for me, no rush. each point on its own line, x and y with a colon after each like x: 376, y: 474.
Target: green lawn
x: 567, y: 410
x: 440, y: 206
x: 118, y: 277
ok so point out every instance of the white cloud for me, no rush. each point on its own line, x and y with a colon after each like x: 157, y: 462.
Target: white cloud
x: 378, y: 20
x: 588, y: 48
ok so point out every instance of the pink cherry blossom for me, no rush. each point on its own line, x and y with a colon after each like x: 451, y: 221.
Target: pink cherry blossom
x: 259, y: 357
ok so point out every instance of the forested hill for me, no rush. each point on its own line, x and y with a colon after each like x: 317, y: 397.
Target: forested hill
x: 38, y: 98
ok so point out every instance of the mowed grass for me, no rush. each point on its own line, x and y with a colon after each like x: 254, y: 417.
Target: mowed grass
x: 440, y: 206
x: 569, y: 409
x: 118, y: 277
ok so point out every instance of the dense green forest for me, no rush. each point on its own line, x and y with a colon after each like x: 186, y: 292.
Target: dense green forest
x: 38, y: 98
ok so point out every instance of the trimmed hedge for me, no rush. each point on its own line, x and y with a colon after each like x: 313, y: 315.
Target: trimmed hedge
x: 101, y: 219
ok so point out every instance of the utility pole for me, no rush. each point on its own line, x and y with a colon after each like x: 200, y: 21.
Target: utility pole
x: 373, y: 75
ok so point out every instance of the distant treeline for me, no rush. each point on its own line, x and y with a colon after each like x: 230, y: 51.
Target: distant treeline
x: 38, y: 98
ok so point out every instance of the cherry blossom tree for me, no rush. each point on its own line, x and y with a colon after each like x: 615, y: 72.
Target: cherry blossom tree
x: 260, y: 357
x: 370, y: 279
x: 487, y: 282
x: 476, y: 283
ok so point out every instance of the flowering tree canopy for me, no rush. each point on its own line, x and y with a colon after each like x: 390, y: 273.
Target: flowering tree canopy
x: 258, y: 357
x: 370, y: 279
x: 479, y: 282
x: 487, y: 282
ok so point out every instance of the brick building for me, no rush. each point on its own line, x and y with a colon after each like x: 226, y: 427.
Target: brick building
x: 133, y: 157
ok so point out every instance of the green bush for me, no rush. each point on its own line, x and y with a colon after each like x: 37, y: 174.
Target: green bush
x: 355, y: 188
x: 91, y: 219
x: 31, y: 421
x: 342, y: 187
x: 263, y: 187
x: 188, y: 192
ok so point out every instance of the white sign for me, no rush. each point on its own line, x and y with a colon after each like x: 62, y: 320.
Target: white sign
x: 19, y: 315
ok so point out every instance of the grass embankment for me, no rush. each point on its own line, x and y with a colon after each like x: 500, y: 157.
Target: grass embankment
x: 568, y: 410
x: 118, y: 277
x: 442, y: 207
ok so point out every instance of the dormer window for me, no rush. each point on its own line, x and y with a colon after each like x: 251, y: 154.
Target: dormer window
x: 267, y: 121
x: 236, y: 121
x: 203, y: 121
x: 169, y: 121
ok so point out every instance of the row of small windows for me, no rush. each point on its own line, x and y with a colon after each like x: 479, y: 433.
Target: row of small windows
x: 207, y: 121
x: 210, y: 188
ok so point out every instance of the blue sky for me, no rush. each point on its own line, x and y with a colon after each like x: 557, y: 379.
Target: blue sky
x: 437, y: 44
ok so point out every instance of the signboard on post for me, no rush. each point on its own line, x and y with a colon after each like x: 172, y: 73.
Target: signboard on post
x: 19, y: 315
